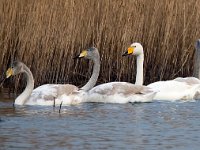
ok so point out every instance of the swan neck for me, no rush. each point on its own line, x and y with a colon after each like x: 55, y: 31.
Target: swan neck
x: 139, y: 75
x: 25, y: 95
x: 197, y: 61
x: 95, y: 73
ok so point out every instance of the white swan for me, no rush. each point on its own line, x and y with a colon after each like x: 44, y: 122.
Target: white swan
x: 123, y: 92
x: 178, y: 89
x: 50, y: 94
x: 173, y: 90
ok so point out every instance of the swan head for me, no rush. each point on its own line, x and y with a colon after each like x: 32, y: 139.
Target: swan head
x: 90, y: 53
x: 134, y: 49
x: 15, y: 68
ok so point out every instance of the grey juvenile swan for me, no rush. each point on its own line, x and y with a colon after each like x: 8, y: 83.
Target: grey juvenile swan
x: 49, y: 93
x: 123, y: 92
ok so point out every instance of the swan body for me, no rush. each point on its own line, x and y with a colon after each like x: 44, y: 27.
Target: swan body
x: 120, y: 92
x: 173, y: 90
x: 54, y: 94
x: 50, y: 94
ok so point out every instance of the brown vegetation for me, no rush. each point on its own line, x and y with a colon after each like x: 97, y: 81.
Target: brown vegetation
x: 46, y: 34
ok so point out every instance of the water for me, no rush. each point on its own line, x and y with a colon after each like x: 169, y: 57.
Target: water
x: 157, y: 125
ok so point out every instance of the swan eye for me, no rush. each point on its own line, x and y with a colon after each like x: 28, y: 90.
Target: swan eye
x: 83, y: 53
x: 9, y: 72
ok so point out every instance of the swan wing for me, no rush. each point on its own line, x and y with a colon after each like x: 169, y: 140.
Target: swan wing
x: 188, y: 80
x: 116, y: 88
x: 119, y: 92
x: 46, y: 94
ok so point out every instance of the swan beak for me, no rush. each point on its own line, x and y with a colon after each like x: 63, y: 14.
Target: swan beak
x: 125, y: 53
x: 129, y: 51
x: 81, y: 55
x: 9, y: 72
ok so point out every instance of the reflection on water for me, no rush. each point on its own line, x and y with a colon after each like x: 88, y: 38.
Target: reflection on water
x: 157, y: 125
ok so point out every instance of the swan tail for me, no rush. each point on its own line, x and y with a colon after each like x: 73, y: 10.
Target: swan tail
x: 149, y: 96
x: 143, y: 98
x: 196, y: 92
x: 192, y: 93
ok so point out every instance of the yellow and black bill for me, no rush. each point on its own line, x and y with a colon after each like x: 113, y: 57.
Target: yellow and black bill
x: 81, y: 55
x: 9, y: 72
x: 129, y: 51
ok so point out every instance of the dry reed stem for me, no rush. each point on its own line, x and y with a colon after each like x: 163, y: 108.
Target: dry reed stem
x: 46, y: 34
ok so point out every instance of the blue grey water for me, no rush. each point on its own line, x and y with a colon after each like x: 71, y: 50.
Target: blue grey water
x: 151, y: 126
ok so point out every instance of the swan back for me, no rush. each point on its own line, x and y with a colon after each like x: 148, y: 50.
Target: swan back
x: 188, y: 80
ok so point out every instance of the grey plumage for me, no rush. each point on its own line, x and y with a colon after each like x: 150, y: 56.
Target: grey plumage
x: 196, y: 72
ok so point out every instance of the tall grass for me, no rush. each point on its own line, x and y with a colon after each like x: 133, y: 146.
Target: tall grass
x: 46, y: 34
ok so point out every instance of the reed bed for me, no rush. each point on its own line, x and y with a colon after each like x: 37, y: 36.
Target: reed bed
x: 46, y: 34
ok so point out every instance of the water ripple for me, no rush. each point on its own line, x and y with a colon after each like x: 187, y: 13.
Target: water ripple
x: 157, y: 125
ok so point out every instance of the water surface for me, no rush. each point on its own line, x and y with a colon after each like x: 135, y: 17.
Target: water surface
x: 156, y: 125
